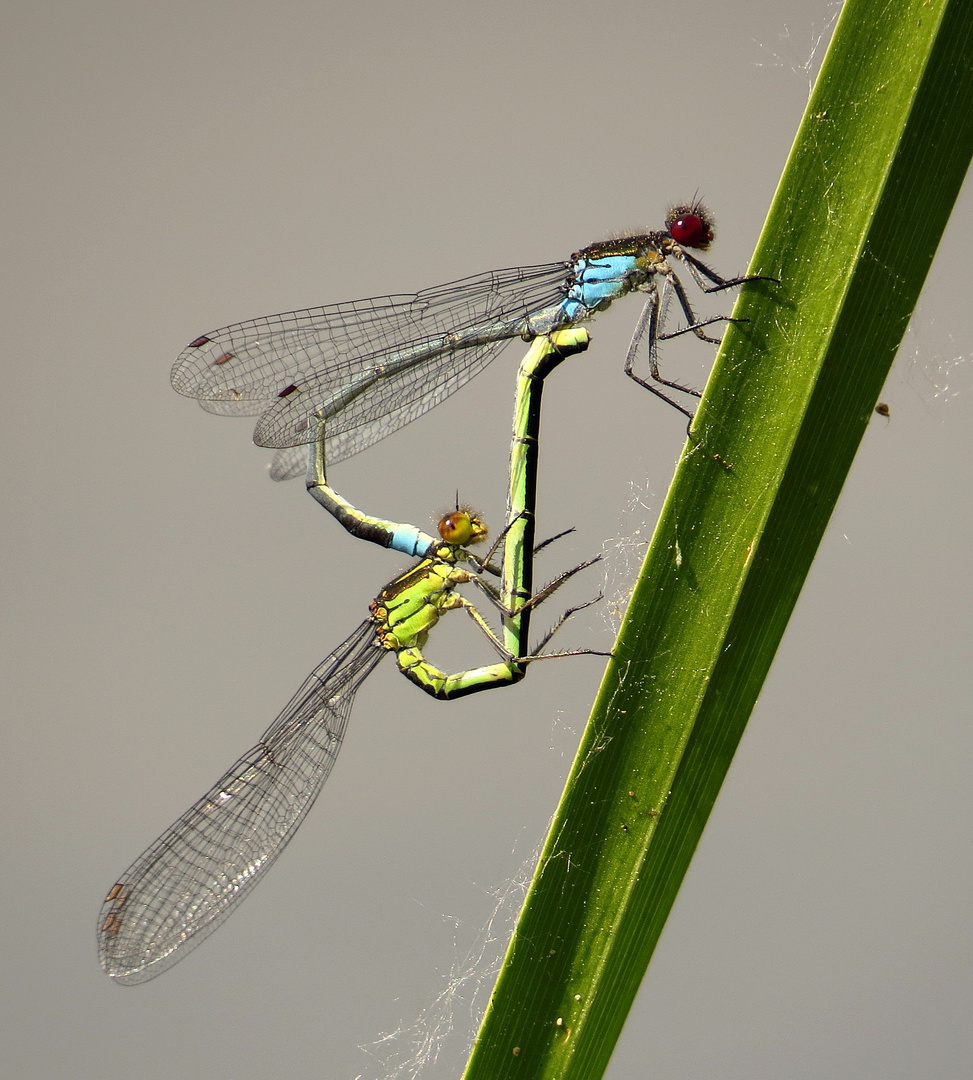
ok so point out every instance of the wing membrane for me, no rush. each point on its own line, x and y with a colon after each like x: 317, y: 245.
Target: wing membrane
x: 408, y: 351
x: 194, y: 876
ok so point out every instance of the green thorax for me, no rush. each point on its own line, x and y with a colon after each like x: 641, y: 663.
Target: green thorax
x: 410, y: 605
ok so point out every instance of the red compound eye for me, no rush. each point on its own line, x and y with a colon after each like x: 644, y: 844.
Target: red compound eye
x: 690, y: 230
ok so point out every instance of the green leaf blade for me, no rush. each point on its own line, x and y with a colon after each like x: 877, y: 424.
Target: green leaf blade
x: 877, y: 164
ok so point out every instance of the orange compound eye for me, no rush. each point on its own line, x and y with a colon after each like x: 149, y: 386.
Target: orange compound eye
x: 456, y: 527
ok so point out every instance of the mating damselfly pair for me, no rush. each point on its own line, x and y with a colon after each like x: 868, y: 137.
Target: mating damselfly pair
x: 336, y: 379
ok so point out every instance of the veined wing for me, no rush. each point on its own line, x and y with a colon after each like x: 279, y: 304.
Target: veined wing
x: 383, y: 404
x: 194, y: 876
x: 260, y: 358
x: 372, y: 364
x: 378, y: 404
x: 288, y: 462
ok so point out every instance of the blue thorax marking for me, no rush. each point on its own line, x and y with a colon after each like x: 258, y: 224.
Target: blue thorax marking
x: 598, y: 282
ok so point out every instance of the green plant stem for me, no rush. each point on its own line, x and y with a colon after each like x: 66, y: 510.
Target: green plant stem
x: 876, y: 167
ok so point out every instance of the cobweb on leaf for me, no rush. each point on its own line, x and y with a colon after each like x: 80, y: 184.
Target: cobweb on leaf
x: 414, y: 1050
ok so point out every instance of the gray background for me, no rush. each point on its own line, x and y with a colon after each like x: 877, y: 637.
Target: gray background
x: 169, y: 168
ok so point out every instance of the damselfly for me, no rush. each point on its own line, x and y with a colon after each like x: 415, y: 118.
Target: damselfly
x: 195, y: 874
x: 367, y: 367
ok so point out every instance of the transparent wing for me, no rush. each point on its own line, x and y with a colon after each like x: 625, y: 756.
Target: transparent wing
x: 194, y: 876
x: 289, y: 462
x: 383, y: 400
x: 370, y: 358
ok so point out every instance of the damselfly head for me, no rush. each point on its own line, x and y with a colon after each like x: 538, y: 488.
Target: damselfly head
x: 462, y: 526
x: 690, y: 225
